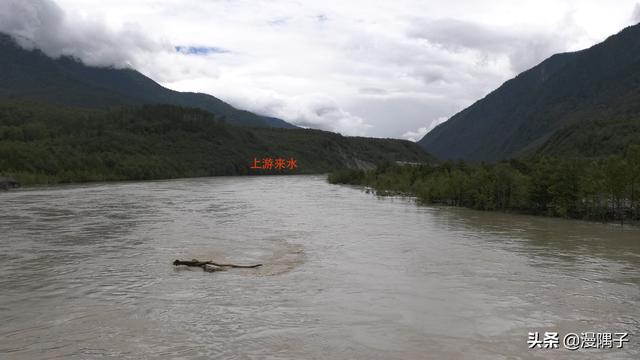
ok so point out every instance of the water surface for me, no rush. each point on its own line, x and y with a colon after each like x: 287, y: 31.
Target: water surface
x: 85, y: 273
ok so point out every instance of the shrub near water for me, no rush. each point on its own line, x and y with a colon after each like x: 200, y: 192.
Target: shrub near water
x: 346, y: 176
x: 596, y: 189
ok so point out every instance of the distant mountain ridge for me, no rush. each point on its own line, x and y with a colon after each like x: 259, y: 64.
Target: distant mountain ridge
x: 599, y: 86
x: 31, y: 75
x: 42, y: 143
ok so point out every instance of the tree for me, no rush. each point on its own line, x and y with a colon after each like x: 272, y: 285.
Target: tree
x: 616, y: 182
x: 633, y: 161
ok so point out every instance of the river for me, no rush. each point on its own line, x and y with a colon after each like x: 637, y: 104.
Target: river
x: 86, y: 273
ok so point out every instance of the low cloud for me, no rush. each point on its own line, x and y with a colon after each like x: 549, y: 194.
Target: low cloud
x: 315, y: 111
x: 357, y: 67
x: 44, y: 25
x: 635, y: 17
x: 415, y: 135
x: 418, y: 134
x: 523, y: 46
x: 372, y: 91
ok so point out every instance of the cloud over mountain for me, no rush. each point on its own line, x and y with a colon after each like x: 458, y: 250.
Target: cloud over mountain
x: 356, y: 67
x: 44, y: 25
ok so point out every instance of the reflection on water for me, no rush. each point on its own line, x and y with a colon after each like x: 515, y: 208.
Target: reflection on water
x: 85, y: 272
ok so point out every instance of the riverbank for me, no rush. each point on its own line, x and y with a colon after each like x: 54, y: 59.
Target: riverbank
x: 42, y: 144
x: 39, y: 180
x: 601, y: 190
x: 39, y: 185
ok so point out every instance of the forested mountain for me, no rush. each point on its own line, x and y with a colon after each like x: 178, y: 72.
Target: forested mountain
x: 585, y: 102
x: 49, y: 144
x: 31, y: 75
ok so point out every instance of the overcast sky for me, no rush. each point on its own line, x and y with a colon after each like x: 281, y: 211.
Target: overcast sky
x: 376, y: 68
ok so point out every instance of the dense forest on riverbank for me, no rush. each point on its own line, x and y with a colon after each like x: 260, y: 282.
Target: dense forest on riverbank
x: 603, y: 189
x: 51, y: 144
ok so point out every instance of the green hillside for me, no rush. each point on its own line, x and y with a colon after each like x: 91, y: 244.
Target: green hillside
x: 33, y: 76
x: 593, y: 138
x: 48, y: 144
x: 596, y: 88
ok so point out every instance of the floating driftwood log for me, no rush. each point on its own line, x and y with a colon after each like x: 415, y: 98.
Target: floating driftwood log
x: 211, y: 266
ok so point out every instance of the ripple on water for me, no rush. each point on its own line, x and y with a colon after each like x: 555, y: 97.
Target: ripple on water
x: 277, y: 256
x: 85, y: 273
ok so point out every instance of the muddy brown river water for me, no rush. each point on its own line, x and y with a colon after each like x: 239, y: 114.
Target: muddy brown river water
x: 85, y: 273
